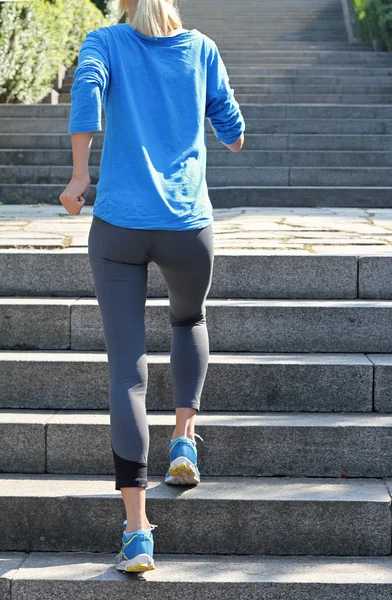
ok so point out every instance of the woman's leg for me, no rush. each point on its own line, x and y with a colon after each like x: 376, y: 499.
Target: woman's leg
x: 118, y: 259
x: 186, y: 259
x: 185, y: 423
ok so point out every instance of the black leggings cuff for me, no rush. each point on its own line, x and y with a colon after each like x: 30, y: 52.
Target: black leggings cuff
x: 128, y: 484
x: 129, y: 473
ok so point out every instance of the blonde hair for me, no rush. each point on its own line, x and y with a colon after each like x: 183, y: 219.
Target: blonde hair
x: 154, y: 17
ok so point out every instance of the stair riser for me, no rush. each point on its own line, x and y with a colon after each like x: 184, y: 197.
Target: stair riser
x: 293, y: 125
x: 287, y: 383
x: 288, y: 527
x: 225, y: 176
x: 230, y: 197
x: 269, y: 98
x: 42, y: 576
x: 234, y: 276
x: 303, y: 60
x: 289, y: 196
x: 320, y: 73
x: 300, y: 56
x: 60, y: 112
x: 221, y: 158
x: 77, y: 325
x: 239, y: 78
x: 270, y: 451
x: 303, y: 142
x: 303, y: 88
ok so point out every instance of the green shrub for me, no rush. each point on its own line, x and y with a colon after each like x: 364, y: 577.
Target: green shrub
x: 374, y: 20
x: 35, y: 38
x: 366, y: 12
x: 386, y: 26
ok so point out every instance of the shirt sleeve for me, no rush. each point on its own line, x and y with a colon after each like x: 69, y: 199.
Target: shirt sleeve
x: 221, y: 107
x: 90, y: 83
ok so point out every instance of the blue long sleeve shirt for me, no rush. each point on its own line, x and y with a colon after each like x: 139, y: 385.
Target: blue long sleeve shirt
x: 156, y: 93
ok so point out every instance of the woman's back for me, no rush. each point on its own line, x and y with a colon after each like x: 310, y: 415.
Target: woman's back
x: 156, y: 92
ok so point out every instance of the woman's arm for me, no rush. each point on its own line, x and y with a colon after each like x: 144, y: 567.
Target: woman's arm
x: 222, y: 109
x: 236, y: 146
x: 89, y: 86
x: 73, y: 197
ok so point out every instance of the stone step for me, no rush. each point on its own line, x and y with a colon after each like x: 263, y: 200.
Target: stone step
x: 296, y: 87
x: 304, y: 61
x: 301, y: 64
x: 278, y: 51
x: 346, y: 80
x: 314, y: 74
x: 230, y: 196
x: 277, y: 444
x: 275, y: 34
x: 331, y: 19
x: 318, y: 126
x: 298, y: 77
x: 304, y: 45
x: 293, y: 13
x: 42, y: 576
x: 224, y: 176
x: 303, y: 88
x: 335, y: 142
x: 237, y: 274
x: 321, y: 98
x: 230, y: 43
x: 302, y: 111
x: 254, y: 141
x: 291, y: 55
x: 272, y: 31
x: 57, y: 115
x: 247, y: 382
x: 327, y: 29
x: 260, y: 57
x: 279, y: 516
x: 255, y: 325
x: 303, y: 196
x: 249, y: 22
x: 330, y: 28
x: 222, y: 158
x: 246, y: 73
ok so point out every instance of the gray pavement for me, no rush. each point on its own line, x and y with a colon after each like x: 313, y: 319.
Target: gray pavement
x: 261, y: 229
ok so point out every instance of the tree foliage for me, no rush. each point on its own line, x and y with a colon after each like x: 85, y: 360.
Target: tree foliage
x: 374, y: 19
x: 35, y: 38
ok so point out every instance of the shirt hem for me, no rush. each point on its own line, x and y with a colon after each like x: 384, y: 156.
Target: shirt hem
x: 135, y: 224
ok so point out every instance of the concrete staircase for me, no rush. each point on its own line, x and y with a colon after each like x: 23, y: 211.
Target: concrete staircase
x: 296, y: 421
x: 296, y: 417
x: 318, y: 113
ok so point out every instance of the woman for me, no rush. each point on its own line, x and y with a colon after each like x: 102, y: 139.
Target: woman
x: 157, y: 82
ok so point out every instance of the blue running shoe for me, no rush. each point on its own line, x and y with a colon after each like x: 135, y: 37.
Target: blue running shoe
x: 136, y: 554
x: 183, y: 468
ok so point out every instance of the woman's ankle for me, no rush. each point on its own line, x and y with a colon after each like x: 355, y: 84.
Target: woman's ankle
x: 181, y: 433
x: 137, y: 525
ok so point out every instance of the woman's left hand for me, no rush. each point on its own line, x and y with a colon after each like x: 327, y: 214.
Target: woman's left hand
x: 73, y: 197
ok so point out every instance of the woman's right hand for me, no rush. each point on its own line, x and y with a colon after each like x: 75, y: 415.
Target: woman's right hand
x: 73, y: 197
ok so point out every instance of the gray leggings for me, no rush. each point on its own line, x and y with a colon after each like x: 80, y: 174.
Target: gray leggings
x: 119, y: 257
